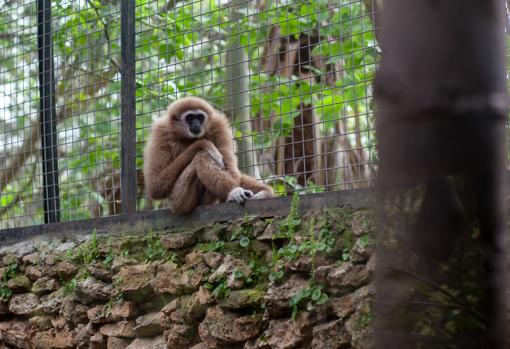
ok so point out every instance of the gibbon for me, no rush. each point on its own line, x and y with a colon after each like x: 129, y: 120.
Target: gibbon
x: 189, y: 158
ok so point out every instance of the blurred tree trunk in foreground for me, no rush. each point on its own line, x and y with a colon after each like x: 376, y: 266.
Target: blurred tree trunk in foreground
x: 442, y: 107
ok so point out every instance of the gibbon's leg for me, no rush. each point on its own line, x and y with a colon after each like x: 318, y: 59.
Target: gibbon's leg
x: 187, y: 190
x: 161, y: 171
x: 208, y: 198
x: 203, y: 181
x: 218, y: 182
x: 261, y: 190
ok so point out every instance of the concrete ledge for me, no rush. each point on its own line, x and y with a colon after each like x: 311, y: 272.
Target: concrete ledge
x: 163, y: 219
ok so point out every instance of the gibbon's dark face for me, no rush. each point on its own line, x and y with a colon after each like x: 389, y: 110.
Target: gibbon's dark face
x: 194, y: 121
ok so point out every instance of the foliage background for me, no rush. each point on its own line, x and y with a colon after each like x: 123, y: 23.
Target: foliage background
x: 306, y: 67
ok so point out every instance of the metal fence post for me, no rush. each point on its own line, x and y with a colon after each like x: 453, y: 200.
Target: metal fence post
x: 128, y: 103
x: 48, y: 114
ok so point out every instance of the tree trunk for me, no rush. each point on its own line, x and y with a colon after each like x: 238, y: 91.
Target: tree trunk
x: 442, y: 107
x: 237, y: 98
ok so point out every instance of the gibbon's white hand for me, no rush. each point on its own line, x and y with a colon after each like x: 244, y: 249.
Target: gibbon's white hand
x: 239, y: 194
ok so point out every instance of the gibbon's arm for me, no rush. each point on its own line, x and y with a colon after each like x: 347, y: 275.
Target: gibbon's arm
x: 242, y: 187
x: 230, y: 161
x: 162, y: 171
x: 222, y: 139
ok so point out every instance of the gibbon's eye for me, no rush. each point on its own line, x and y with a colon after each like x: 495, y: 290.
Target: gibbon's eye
x: 195, y: 117
x: 200, y: 117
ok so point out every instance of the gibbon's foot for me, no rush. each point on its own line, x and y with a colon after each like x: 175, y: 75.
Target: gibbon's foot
x: 239, y: 194
x: 263, y: 194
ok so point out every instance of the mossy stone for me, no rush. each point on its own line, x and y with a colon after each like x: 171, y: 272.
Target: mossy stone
x: 19, y: 284
x: 242, y: 299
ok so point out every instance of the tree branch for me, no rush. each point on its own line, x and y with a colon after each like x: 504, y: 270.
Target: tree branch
x: 15, y: 162
x: 447, y: 293
x: 21, y: 191
x: 11, y: 36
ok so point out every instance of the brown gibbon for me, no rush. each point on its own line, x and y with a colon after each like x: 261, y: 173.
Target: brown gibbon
x: 189, y: 158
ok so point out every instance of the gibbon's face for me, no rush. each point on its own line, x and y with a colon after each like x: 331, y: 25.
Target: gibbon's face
x: 189, y: 118
x: 191, y: 123
x: 194, y: 122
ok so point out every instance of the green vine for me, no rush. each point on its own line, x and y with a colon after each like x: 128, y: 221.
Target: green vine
x: 308, y: 298
x: 10, y: 272
x: 155, y: 249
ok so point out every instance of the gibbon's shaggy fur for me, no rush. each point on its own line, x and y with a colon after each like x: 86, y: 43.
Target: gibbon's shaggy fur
x: 190, y: 159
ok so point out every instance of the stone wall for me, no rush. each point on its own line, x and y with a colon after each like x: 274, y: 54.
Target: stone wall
x: 300, y: 281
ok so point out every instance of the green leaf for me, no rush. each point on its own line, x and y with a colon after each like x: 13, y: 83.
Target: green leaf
x: 316, y: 294
x: 294, y: 312
x: 289, y: 24
x: 321, y: 246
x: 238, y: 274
x: 323, y: 299
x: 244, y: 241
x: 275, y: 276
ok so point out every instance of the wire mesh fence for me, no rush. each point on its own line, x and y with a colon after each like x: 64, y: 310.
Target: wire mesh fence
x: 59, y: 111
x: 294, y: 78
x: 21, y: 173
